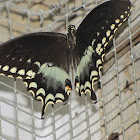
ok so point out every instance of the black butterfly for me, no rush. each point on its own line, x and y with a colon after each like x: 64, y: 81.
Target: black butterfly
x: 49, y: 62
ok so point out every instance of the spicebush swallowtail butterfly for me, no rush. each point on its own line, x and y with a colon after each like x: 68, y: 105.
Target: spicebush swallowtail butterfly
x: 49, y: 62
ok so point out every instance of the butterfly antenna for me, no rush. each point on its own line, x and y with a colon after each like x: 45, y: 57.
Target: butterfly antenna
x: 69, y: 18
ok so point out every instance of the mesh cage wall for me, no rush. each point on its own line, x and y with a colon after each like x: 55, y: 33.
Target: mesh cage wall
x: 116, y: 114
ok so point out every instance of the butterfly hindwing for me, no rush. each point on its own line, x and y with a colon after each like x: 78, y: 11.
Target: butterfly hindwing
x: 51, y: 85
x: 92, y: 38
x: 41, y: 60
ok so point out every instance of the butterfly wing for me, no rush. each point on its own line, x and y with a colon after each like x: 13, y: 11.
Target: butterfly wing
x: 92, y: 38
x: 41, y: 60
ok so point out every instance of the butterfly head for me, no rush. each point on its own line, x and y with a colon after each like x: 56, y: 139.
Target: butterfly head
x: 72, y: 30
x: 71, y: 36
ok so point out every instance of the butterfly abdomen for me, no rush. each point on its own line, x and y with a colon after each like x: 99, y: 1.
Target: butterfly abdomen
x: 71, y: 37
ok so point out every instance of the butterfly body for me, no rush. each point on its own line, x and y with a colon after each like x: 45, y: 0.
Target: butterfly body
x: 50, y: 62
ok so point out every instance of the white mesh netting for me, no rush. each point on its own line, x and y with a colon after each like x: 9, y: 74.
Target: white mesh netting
x: 116, y: 113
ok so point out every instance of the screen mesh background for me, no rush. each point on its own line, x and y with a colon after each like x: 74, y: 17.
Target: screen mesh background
x: 116, y: 113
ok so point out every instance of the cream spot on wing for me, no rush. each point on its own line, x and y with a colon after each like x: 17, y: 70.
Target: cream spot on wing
x: 32, y: 93
x: 98, y: 62
x: 117, y: 20
x: 95, y: 78
x: 110, y: 37
x: 47, y: 105
x: 122, y: 16
x: 10, y: 76
x: 103, y: 40
x: 21, y: 72
x: 103, y: 57
x: 5, y: 68
x: 93, y: 42
x: 125, y: 19
x: 81, y: 87
x: 0, y: 66
x: 68, y: 92
x: 29, y: 73
x: 13, y: 70
x: 93, y: 73
x: 20, y: 59
x: 28, y: 77
x: 100, y: 67
x: 29, y: 60
x: 126, y: 12
x: 59, y: 95
x: 98, y: 47
x: 33, y: 74
x: 49, y: 97
x: 50, y: 64
x: 115, y: 30
x: 40, y: 98
x: 120, y: 24
x: 37, y: 63
x: 66, y: 89
x: 19, y: 77
x: 88, y: 91
x: 112, y: 26
x: 26, y: 84
x: 100, y: 51
x: 33, y: 84
x: 41, y: 90
x: 106, y: 44
x: 87, y: 84
x: 59, y: 101
x: 77, y: 89
x: 77, y: 86
x: 2, y: 74
x: 50, y: 102
x: 103, y: 27
x: 98, y: 33
x: 108, y: 33
x: 13, y: 58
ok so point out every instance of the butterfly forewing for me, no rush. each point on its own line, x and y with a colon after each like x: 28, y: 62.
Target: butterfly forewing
x: 41, y: 60
x: 92, y: 38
